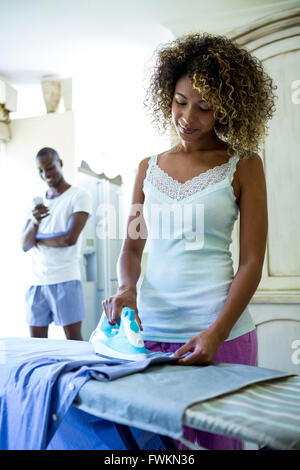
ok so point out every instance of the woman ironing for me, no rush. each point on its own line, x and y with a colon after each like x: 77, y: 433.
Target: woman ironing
x: 218, y: 99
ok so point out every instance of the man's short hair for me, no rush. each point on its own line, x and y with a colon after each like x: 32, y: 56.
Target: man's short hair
x: 44, y: 152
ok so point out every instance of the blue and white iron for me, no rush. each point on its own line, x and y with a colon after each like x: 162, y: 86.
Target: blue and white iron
x: 122, y: 341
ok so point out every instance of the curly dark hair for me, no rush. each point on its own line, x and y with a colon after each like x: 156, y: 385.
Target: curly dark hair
x: 228, y: 76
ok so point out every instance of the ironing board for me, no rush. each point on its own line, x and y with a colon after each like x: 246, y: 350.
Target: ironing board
x: 41, y: 380
x: 267, y: 413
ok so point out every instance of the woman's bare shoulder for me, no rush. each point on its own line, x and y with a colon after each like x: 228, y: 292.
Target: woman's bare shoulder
x: 142, y: 171
x: 144, y: 163
x: 252, y: 182
x: 250, y: 169
x: 142, y: 168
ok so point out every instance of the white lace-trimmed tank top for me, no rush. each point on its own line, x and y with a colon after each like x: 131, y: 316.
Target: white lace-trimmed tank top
x: 189, y: 267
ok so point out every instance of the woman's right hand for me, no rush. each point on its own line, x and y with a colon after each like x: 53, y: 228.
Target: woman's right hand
x: 125, y: 297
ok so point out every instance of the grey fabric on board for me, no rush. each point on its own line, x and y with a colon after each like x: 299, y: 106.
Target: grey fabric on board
x: 156, y: 399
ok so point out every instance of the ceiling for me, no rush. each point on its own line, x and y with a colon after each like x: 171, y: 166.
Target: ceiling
x: 61, y: 37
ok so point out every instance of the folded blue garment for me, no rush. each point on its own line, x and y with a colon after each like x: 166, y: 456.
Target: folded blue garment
x: 40, y: 378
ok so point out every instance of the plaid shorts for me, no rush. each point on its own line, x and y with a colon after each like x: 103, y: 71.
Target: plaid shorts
x: 61, y: 303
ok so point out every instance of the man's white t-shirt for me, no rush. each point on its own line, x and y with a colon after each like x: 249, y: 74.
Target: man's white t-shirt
x: 51, y: 265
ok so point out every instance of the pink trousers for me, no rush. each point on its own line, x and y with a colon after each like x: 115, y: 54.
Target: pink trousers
x: 241, y: 350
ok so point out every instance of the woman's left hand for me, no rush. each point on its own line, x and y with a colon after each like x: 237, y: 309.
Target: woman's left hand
x: 202, y: 348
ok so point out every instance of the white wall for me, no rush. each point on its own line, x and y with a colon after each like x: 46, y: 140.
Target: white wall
x: 108, y: 128
x: 19, y: 183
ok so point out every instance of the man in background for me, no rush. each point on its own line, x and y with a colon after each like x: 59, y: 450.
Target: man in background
x: 52, y: 234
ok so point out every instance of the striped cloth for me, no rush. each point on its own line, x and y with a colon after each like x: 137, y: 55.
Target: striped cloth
x: 267, y: 413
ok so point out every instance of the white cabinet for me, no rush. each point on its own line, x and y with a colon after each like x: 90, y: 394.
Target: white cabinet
x: 275, y: 307
x: 101, y: 245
